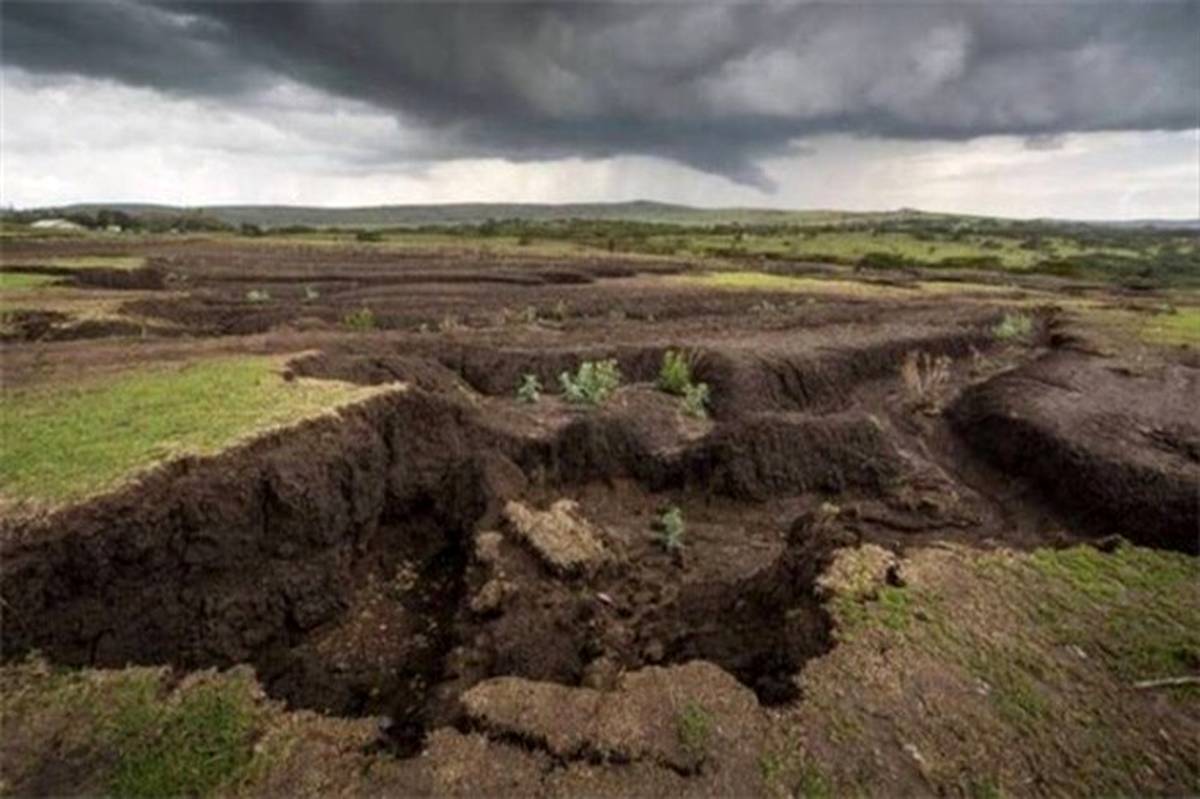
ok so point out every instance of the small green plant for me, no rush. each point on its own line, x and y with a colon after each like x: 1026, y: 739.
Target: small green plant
x: 593, y: 382
x: 361, y: 320
x: 670, y: 529
x: 561, y: 310
x: 449, y: 323
x: 311, y: 294
x: 529, y: 315
x: 695, y: 400
x: 1014, y: 326
x: 693, y: 727
x: 368, y: 236
x: 675, y: 374
x: 530, y: 389
x: 258, y: 295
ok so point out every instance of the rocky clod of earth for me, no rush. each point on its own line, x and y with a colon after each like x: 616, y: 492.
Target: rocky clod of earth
x: 565, y: 541
x: 693, y: 718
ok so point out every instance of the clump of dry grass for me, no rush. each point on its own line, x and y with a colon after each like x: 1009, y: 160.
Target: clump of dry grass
x: 925, y: 375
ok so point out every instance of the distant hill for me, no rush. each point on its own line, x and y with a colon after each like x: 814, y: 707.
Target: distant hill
x: 275, y: 216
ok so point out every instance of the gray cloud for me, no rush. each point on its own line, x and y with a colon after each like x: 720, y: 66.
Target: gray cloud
x: 716, y: 86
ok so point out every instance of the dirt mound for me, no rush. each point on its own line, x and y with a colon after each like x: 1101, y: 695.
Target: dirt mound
x: 1114, y: 446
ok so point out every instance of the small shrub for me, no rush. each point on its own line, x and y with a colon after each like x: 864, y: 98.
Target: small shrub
x: 924, y: 376
x: 561, y: 310
x: 529, y: 315
x: 675, y: 374
x: 311, y: 294
x: 449, y: 323
x: 258, y: 295
x: 671, y: 529
x: 530, y: 389
x: 362, y: 319
x: 592, y: 384
x: 695, y: 400
x: 368, y: 236
x: 1014, y: 326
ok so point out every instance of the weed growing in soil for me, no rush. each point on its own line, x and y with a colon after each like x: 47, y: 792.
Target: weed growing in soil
x: 695, y: 400
x: 311, y: 294
x: 693, y: 726
x: 670, y: 529
x: 258, y: 295
x: 530, y: 389
x: 675, y: 374
x: 1014, y: 327
x: 592, y: 384
x: 924, y: 376
x: 561, y: 310
x: 361, y: 320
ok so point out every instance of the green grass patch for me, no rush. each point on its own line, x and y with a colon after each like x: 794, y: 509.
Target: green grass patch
x: 1180, y: 327
x: 97, y: 262
x: 1136, y: 609
x: 66, y: 442
x: 17, y: 281
x: 693, y: 726
x: 189, y: 747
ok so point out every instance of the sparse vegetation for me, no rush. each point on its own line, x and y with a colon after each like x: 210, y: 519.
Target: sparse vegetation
x: 530, y: 389
x: 311, y: 294
x: 592, y: 384
x: 925, y: 375
x: 1014, y: 327
x: 258, y: 295
x: 693, y: 726
x: 675, y: 377
x: 675, y: 374
x: 361, y: 320
x: 671, y: 529
x: 695, y: 400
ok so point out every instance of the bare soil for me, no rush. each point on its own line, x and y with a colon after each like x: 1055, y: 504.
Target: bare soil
x: 365, y: 566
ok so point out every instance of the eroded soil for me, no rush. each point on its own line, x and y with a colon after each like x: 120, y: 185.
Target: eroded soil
x: 485, y: 579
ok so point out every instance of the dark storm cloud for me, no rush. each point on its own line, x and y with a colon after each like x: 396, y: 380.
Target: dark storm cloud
x: 717, y: 86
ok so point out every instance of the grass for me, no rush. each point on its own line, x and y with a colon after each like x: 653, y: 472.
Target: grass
x: 764, y: 281
x: 90, y: 261
x: 693, y: 727
x: 128, y: 734
x: 67, y: 442
x: 16, y: 281
x: 1180, y: 327
x: 979, y: 655
x: 190, y: 747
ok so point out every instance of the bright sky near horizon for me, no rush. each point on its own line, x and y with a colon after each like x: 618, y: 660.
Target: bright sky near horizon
x: 1066, y: 109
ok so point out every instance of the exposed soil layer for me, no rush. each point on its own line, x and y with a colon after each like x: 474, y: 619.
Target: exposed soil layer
x: 445, y: 558
x: 1118, y: 446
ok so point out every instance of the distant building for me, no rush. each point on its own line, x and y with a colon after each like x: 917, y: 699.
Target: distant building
x: 56, y: 224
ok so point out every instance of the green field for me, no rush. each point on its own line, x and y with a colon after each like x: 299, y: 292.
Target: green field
x: 16, y: 281
x: 67, y: 442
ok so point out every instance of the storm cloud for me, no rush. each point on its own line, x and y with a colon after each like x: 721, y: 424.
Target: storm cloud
x: 719, y: 87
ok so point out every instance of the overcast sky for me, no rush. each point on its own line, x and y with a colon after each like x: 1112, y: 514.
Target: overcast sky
x: 1072, y: 109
